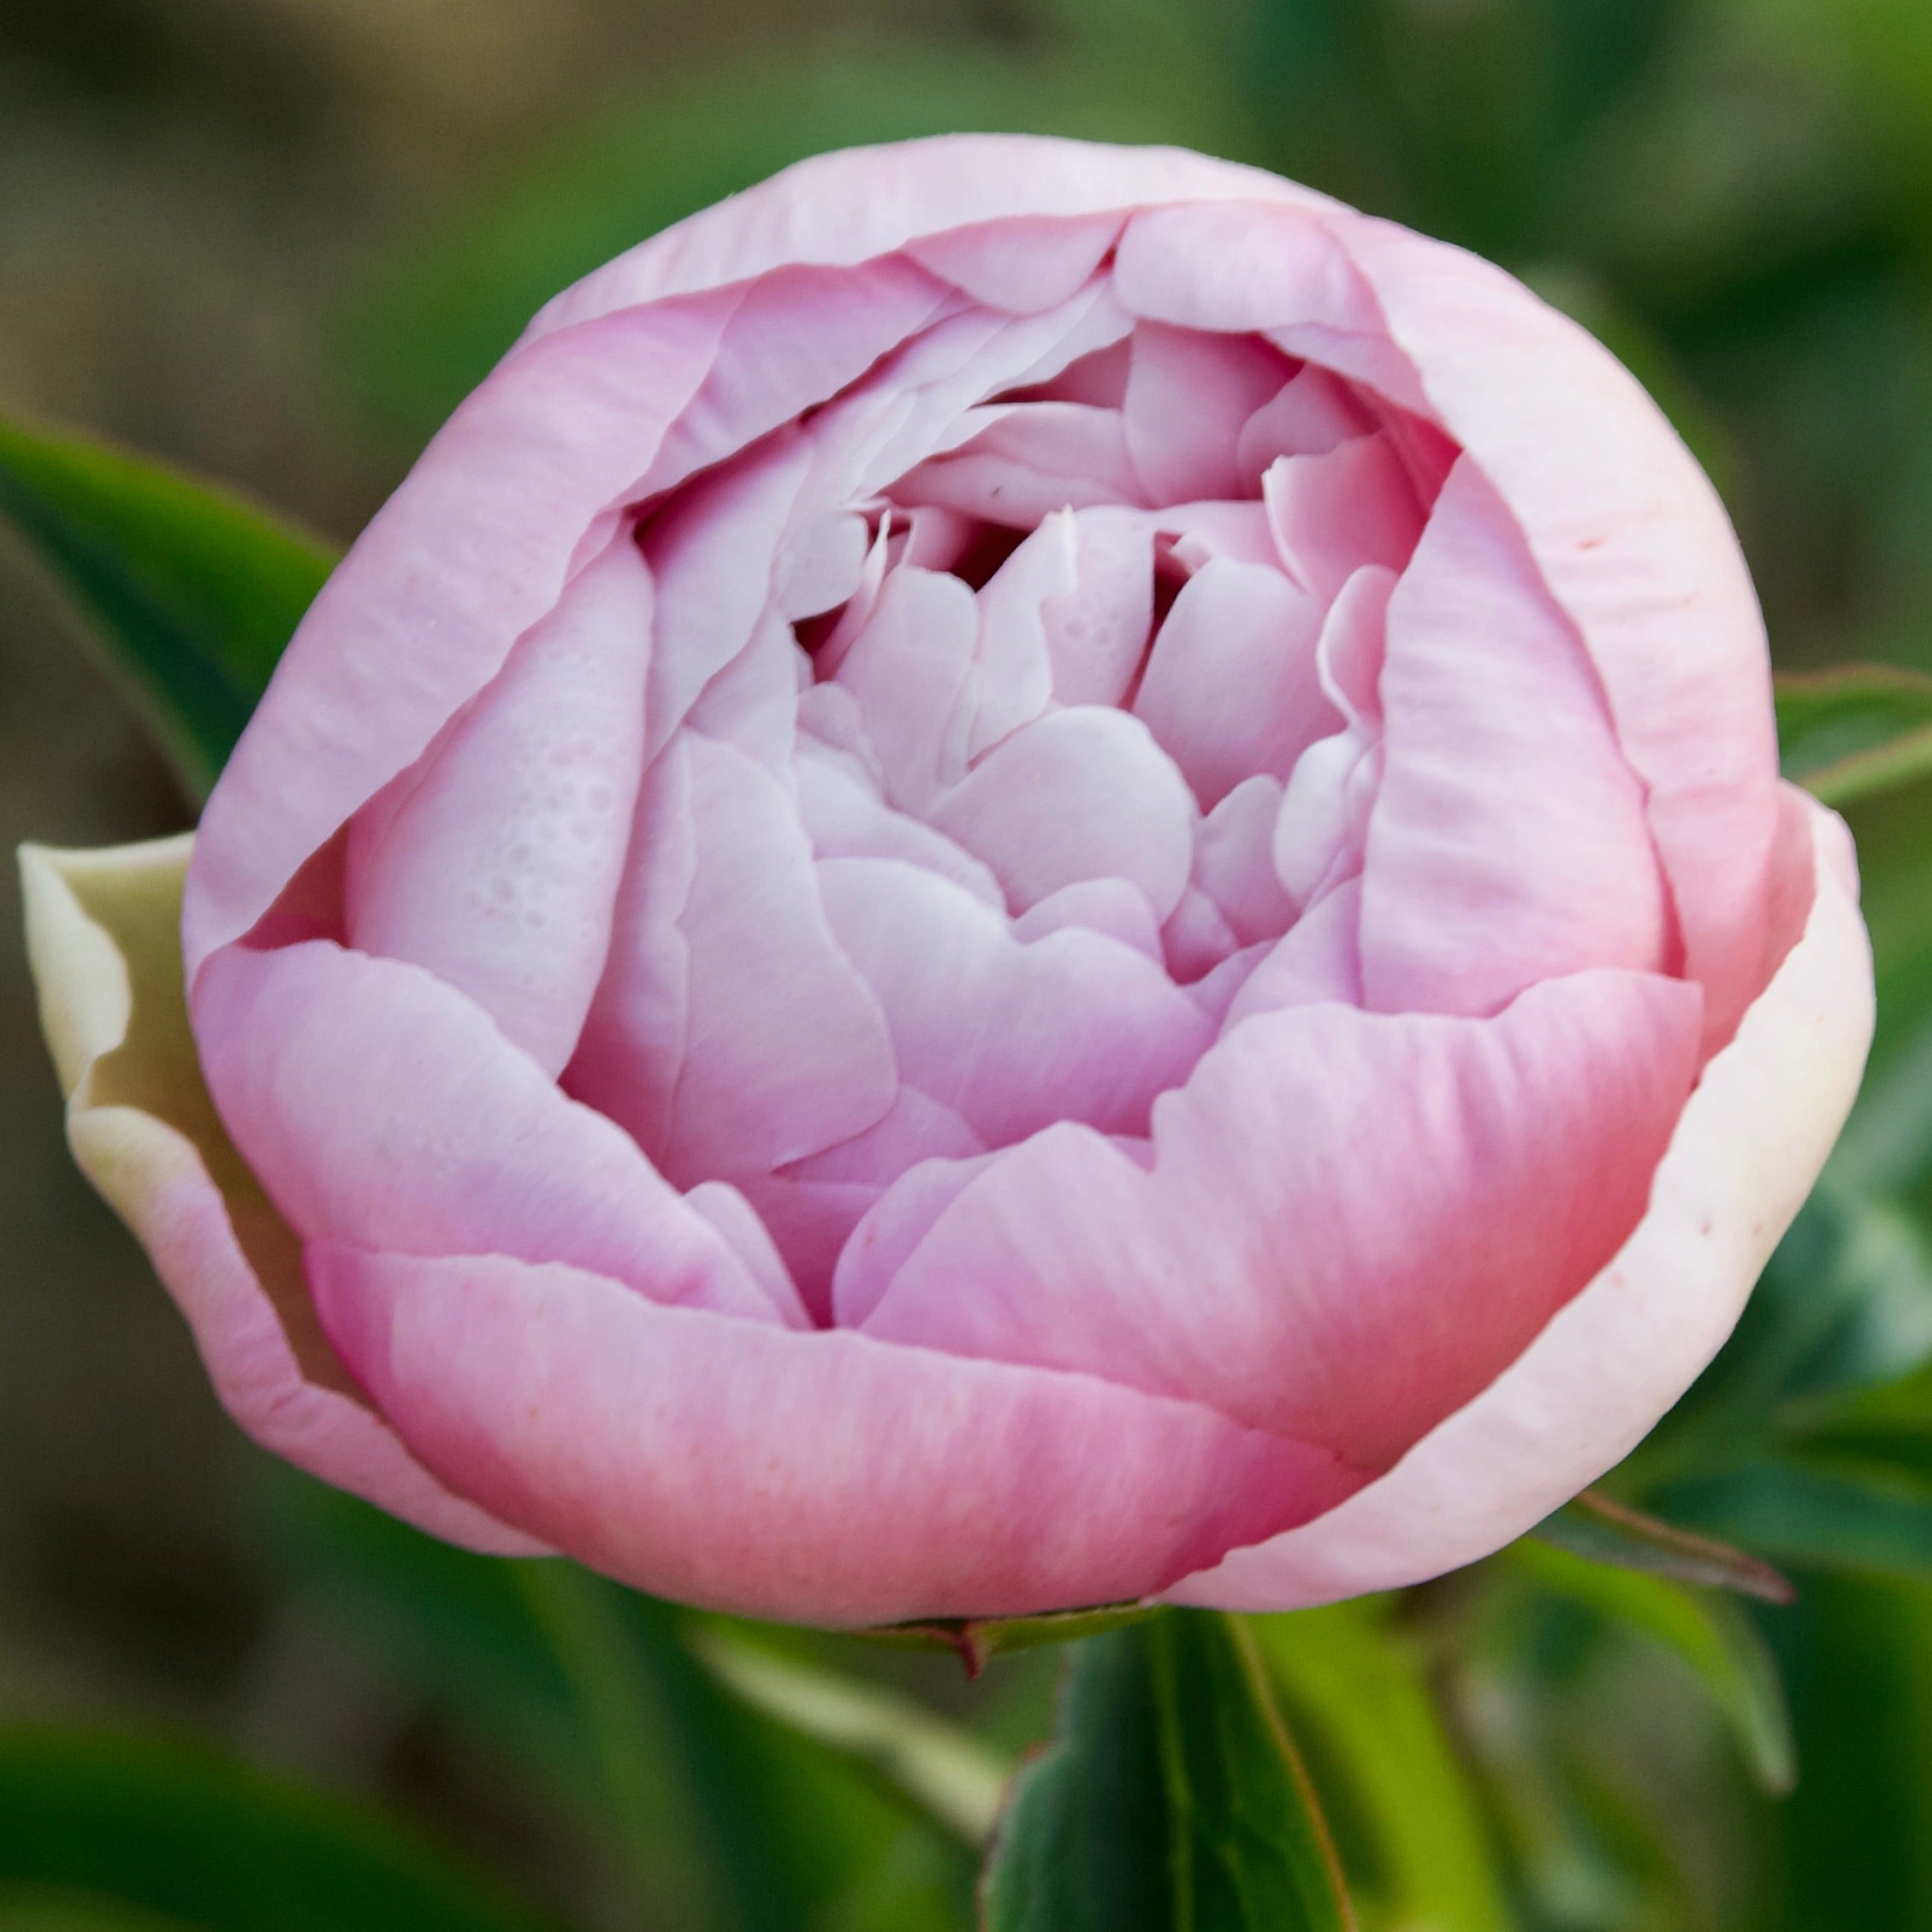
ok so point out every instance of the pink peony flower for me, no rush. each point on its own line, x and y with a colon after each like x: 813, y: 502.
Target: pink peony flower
x: 1024, y: 874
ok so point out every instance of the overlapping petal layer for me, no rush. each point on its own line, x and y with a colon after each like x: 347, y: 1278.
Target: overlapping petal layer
x: 1012, y: 860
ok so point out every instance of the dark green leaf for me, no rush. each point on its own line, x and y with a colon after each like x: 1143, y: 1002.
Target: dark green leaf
x: 180, y: 1832
x: 1356, y: 1686
x: 1604, y: 1531
x: 1848, y: 733
x: 1712, y: 1635
x: 1819, y: 1513
x: 194, y: 592
x: 973, y: 1640
x: 1173, y: 1798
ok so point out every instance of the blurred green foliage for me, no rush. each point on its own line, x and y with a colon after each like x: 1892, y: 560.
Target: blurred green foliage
x: 1583, y: 1734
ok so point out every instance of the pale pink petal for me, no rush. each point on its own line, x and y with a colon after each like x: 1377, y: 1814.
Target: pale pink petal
x: 786, y: 1049
x: 735, y: 1218
x: 1197, y: 937
x: 1320, y: 958
x: 821, y: 564
x: 1203, y: 531
x: 916, y: 1127
x: 1324, y: 812
x: 378, y: 1105
x: 1024, y: 263
x: 1333, y: 514
x: 818, y: 1477
x: 797, y: 336
x: 1216, y: 990
x: 1031, y: 460
x: 1230, y: 688
x: 1188, y: 394
x: 1308, y: 416
x: 1507, y: 844
x: 1354, y: 1222
x: 1014, y: 682
x: 845, y: 818
x: 1111, y: 906
x: 893, y: 1226
x: 752, y: 704
x: 1354, y: 644
x: 912, y: 670
x: 1576, y: 1401
x: 500, y: 871
x: 631, y: 1051
x: 853, y: 206
x: 1083, y: 793
x: 713, y: 550
x: 809, y: 1223
x: 1011, y: 1035
x: 468, y: 553
x: 1630, y: 537
x: 1235, y: 861
x: 1097, y: 634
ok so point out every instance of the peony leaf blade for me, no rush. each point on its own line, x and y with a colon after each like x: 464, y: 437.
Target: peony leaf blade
x: 192, y: 592
x: 1172, y: 1799
x: 1856, y: 731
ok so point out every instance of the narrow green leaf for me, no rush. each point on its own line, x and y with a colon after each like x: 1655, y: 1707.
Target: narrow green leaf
x: 1604, y: 1531
x: 194, y: 592
x: 182, y: 1833
x: 1854, y: 731
x: 1712, y: 1634
x: 1354, y: 1685
x: 1172, y: 1799
x: 952, y: 1775
x: 1819, y: 1511
x: 973, y: 1640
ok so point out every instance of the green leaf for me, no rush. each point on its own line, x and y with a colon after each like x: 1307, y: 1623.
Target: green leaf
x: 1817, y: 1512
x: 1604, y: 1531
x: 1172, y: 1799
x: 1851, y: 733
x: 194, y: 592
x: 1712, y: 1635
x: 1357, y: 1687
x: 954, y: 1779
x: 973, y: 1640
x: 177, y: 1832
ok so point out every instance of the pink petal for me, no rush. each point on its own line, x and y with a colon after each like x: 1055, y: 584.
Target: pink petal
x: 1188, y: 393
x: 1230, y: 688
x: 786, y: 1049
x: 1508, y: 842
x: 912, y: 670
x: 1744, y: 1155
x: 1318, y: 958
x: 378, y: 1105
x: 1031, y: 460
x: 734, y: 1217
x: 1308, y: 416
x: 1235, y: 861
x: 916, y: 1127
x: 1010, y: 1035
x: 713, y: 551
x: 813, y: 1477
x: 1354, y: 1221
x: 1111, y: 906
x: 1096, y: 634
x: 863, y: 202
x: 1084, y: 793
x: 1635, y: 548
x: 1023, y: 265
x: 631, y: 1050
x: 845, y: 819
x: 500, y: 871
x: 1333, y: 514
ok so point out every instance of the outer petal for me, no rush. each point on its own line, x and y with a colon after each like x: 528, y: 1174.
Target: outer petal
x: 1746, y: 1150
x: 850, y: 206
x: 823, y: 1477
x: 102, y: 938
x: 1353, y: 1220
x: 378, y: 1105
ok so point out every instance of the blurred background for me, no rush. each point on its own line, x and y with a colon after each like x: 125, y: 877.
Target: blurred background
x: 275, y: 240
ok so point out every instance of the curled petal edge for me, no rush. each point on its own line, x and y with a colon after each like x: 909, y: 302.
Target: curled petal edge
x: 1749, y: 1146
x: 103, y: 932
